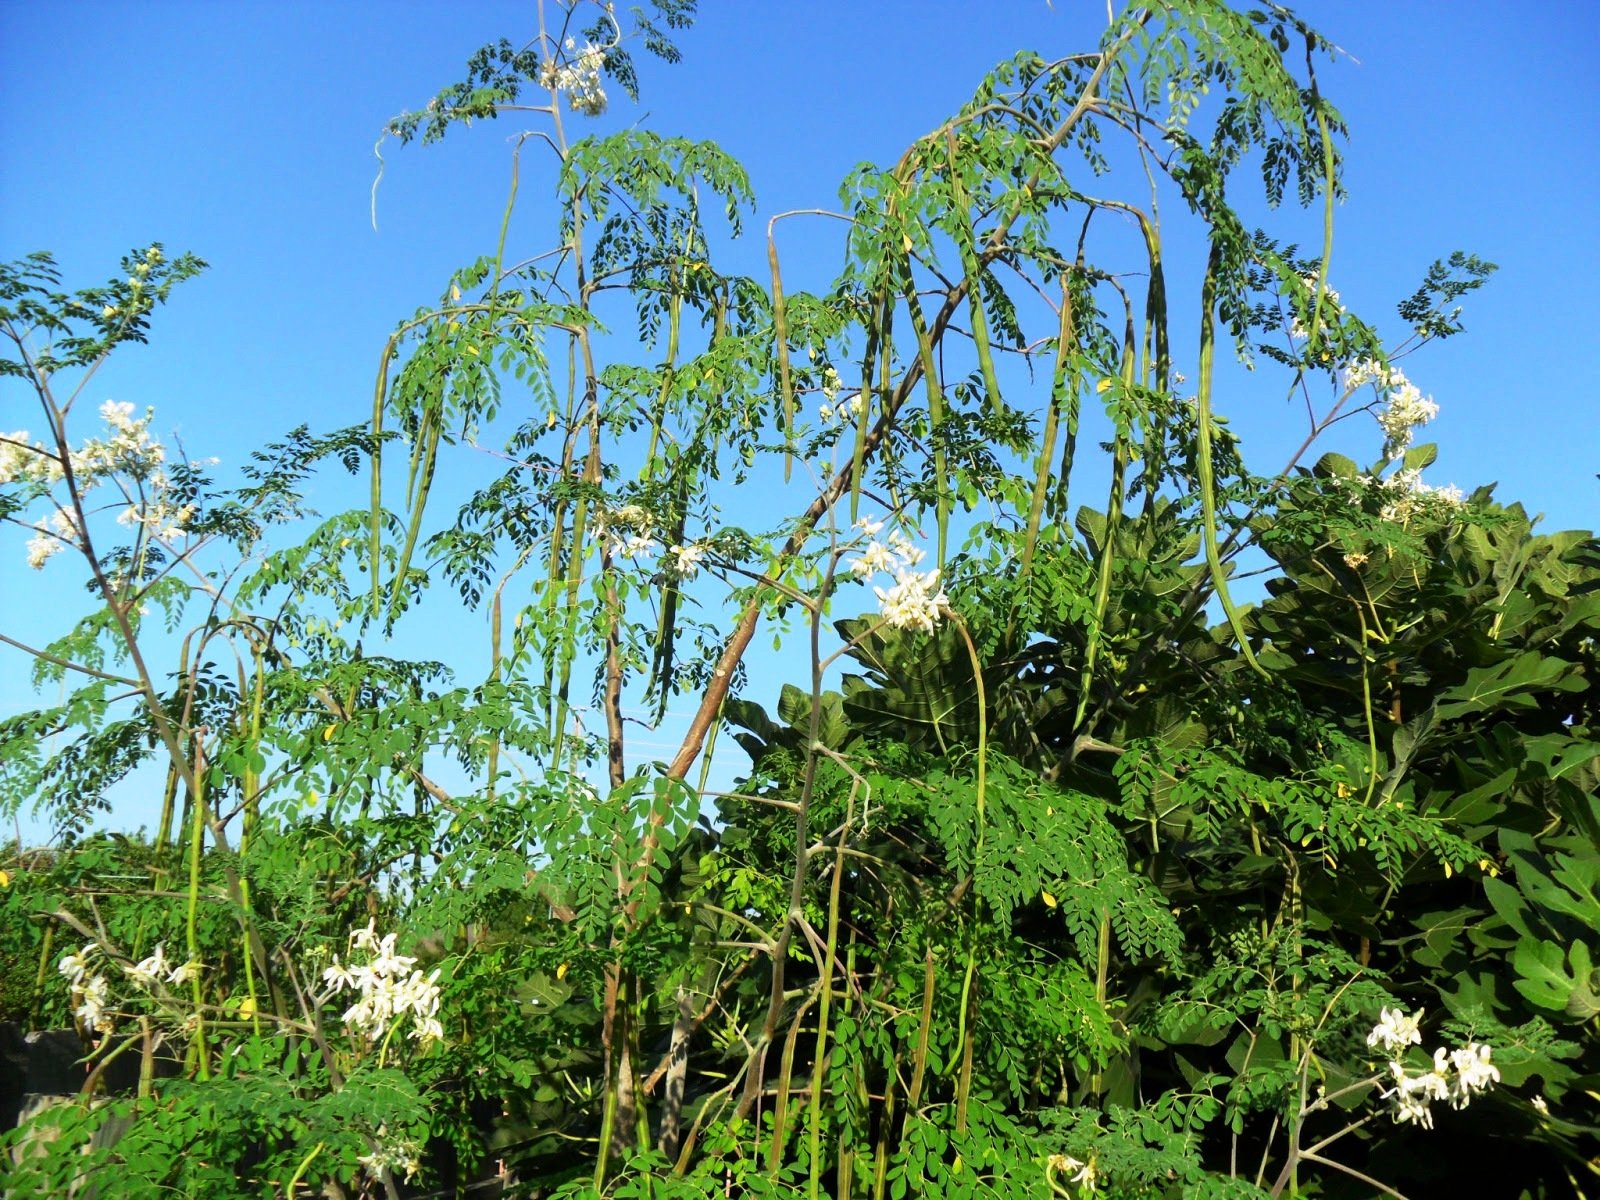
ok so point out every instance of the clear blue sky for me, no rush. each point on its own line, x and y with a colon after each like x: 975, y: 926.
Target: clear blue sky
x: 243, y: 131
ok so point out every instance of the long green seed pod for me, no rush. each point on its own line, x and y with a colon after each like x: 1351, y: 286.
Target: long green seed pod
x: 1121, y: 447
x: 973, y: 273
x: 1203, y: 434
x: 1063, y: 390
x: 780, y: 337
x: 935, y: 390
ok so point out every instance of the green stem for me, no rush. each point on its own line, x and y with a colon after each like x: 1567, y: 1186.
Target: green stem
x: 967, y: 1016
x: 46, y: 950
x: 300, y: 1171
x: 252, y: 804
x: 824, y: 1010
x: 192, y: 926
x: 919, y: 1063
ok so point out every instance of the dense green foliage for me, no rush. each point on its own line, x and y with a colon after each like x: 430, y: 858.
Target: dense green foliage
x: 1060, y: 873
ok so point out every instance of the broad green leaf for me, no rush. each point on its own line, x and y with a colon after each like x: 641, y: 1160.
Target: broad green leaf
x: 1506, y: 684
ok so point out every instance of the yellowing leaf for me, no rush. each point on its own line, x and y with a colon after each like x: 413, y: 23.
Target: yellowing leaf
x: 561, y: 971
x: 1102, y: 385
x: 5, y: 879
x: 247, y: 1007
x: 1049, y: 900
x: 455, y: 292
x: 327, y: 734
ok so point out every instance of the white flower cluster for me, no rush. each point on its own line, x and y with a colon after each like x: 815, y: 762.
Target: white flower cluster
x: 387, y: 987
x: 629, y: 531
x: 580, y: 78
x: 1330, y: 303
x: 127, y: 455
x: 52, y: 537
x: 148, y: 972
x: 1369, y: 372
x: 1407, y: 409
x: 683, y: 562
x: 391, y: 1154
x: 850, y: 407
x: 1406, y: 497
x: 1456, y: 1076
x: 915, y: 601
x: 90, y: 992
x: 22, y: 461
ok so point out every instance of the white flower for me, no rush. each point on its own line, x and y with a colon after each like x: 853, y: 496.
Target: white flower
x: 17, y: 458
x: 630, y: 517
x: 876, y: 557
x: 1083, y: 1174
x: 683, y: 562
x: 365, y: 939
x: 1449, y: 494
x: 189, y: 970
x: 386, y: 961
x: 914, y: 602
x: 580, y: 80
x: 1541, y: 1105
x: 76, y: 966
x: 387, y: 987
x: 1330, y: 303
x: 1412, y: 1094
x: 635, y: 546
x: 41, y: 547
x: 908, y: 553
x: 1474, y: 1073
x: 1409, y: 497
x: 92, y: 997
x: 1407, y: 409
x: 1395, y: 1031
x: 108, y: 311
x: 389, y: 1155
x: 869, y: 526
x: 1370, y: 371
x: 146, y: 972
